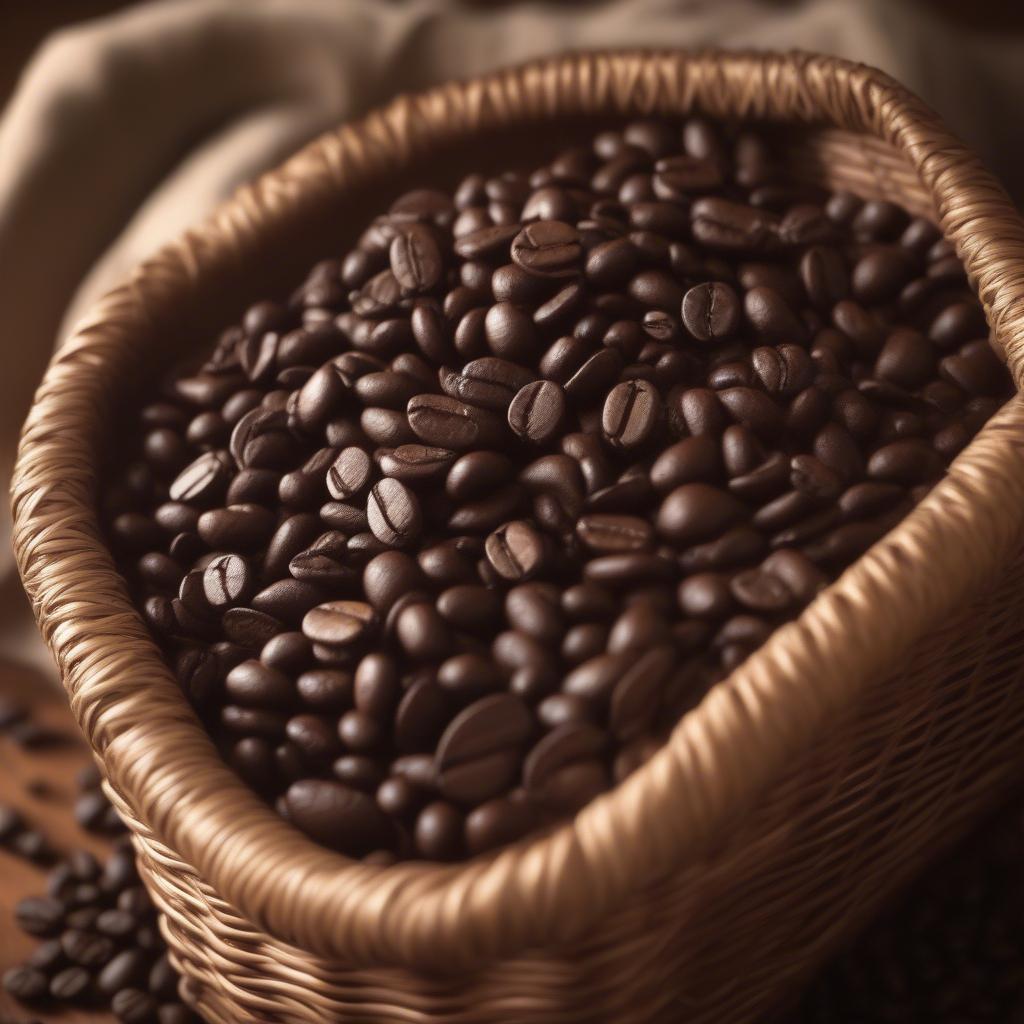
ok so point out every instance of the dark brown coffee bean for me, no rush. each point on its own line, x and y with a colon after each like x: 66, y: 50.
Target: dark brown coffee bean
x: 561, y: 747
x: 692, y: 512
x: 227, y: 581
x: 393, y: 513
x: 705, y: 595
x: 880, y: 274
x: 811, y: 477
x: 753, y: 409
x: 387, y: 577
x: 490, y: 725
x: 85, y: 949
x: 701, y: 412
x: 39, y: 915
x: 203, y: 481
x: 630, y: 414
x: 488, y: 382
x: 536, y: 412
x: 127, y: 969
x: 249, y: 628
x: 421, y: 716
x: 824, y: 276
x: 443, y: 422
x: 421, y: 631
x: 497, y: 823
x: 608, y: 533
x: 611, y: 264
x: 976, y: 369
x: 711, y: 312
x: 488, y: 242
x: 342, y: 818
x: 338, y: 623
x: 687, y: 461
x: 26, y: 984
x: 730, y: 226
x: 837, y: 450
x: 415, y: 259
x: 325, y: 562
x: 868, y: 499
x: 349, y: 473
x: 71, y: 984
x: 254, y: 684
x: 547, y: 248
x: 905, y: 462
x: 515, y: 550
x: 635, y: 699
x: 675, y: 178
x: 771, y: 316
x: 785, y: 370
x: 439, y: 831
x: 415, y: 464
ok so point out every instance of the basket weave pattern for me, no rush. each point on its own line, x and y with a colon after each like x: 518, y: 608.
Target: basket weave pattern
x: 783, y: 809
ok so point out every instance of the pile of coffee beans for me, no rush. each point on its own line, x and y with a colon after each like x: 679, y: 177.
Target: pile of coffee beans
x: 100, y: 947
x: 442, y: 546
x: 99, y: 944
x: 17, y: 836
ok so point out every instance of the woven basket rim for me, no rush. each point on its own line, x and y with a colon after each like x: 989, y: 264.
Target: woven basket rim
x: 721, y: 755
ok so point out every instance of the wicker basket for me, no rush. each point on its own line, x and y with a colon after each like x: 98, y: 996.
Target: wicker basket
x: 784, y: 809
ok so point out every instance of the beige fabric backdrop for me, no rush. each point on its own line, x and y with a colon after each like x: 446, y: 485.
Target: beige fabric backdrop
x: 126, y: 129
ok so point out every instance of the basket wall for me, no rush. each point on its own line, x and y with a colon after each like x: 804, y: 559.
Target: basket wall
x: 784, y: 809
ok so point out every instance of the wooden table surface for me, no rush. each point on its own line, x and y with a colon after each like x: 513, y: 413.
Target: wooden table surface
x: 51, y: 813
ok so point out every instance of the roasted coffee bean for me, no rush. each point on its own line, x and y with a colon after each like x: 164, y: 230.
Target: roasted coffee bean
x: 547, y: 248
x: 824, y: 276
x: 711, y: 312
x: 86, y: 950
x: 133, y: 1006
x: 415, y: 259
x: 422, y: 632
x: 243, y: 527
x: 226, y: 581
x: 771, y: 316
x: 537, y: 411
x: 692, y: 512
x: 692, y: 459
x: 204, y: 480
x: 515, y: 550
x: 39, y: 915
x: 975, y: 368
x: 70, y: 984
x: 349, y: 473
x: 905, y: 462
x: 337, y: 816
x: 733, y: 227
x: 393, y: 513
x: 338, y: 623
x: 444, y: 422
x: 26, y: 984
x: 607, y: 533
x: 630, y: 414
x: 498, y: 822
x: 701, y: 412
x: 439, y: 831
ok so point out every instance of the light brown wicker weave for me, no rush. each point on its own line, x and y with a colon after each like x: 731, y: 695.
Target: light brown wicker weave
x: 784, y: 808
